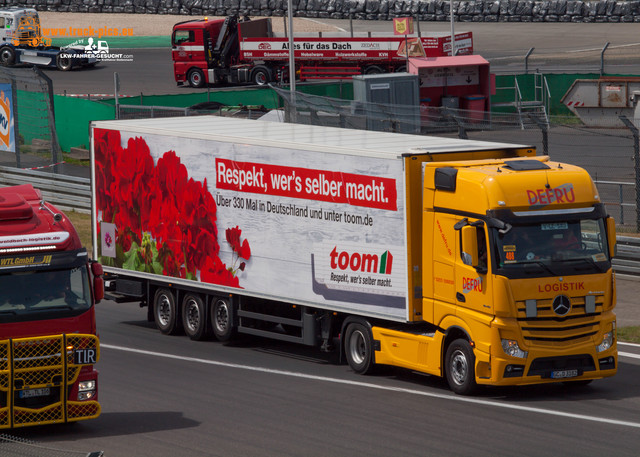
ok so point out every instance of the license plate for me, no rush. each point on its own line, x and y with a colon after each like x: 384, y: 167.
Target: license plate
x: 34, y: 393
x: 564, y: 374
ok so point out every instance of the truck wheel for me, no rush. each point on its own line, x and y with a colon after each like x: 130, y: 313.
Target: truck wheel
x: 373, y: 70
x: 165, y: 312
x: 358, y: 347
x: 63, y: 63
x: 221, y: 320
x: 460, y: 367
x: 194, y: 319
x: 7, y: 56
x: 261, y: 76
x: 196, y: 78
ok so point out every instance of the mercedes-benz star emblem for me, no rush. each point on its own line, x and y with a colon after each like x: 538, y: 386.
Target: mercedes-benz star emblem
x: 561, y: 305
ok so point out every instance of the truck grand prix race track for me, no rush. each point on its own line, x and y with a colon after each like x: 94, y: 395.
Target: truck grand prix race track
x: 170, y: 396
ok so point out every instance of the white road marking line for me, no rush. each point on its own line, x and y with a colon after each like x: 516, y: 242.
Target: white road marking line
x: 476, y: 401
x: 629, y: 354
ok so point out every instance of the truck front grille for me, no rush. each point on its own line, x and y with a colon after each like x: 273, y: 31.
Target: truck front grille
x: 540, y: 323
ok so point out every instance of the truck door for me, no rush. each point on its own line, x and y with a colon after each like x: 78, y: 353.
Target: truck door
x: 472, y: 288
x: 187, y: 52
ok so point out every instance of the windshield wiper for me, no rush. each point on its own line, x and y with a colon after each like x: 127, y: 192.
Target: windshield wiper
x: 529, y: 263
x: 588, y: 260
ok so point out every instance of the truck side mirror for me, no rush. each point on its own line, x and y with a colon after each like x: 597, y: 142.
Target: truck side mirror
x: 469, y: 245
x: 98, y: 281
x: 611, y: 235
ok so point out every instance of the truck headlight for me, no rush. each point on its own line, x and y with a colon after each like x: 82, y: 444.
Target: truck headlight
x: 86, y: 389
x: 607, y: 342
x: 511, y: 348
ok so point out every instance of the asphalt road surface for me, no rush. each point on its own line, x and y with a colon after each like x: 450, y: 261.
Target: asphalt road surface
x: 168, y: 396
x: 558, y: 48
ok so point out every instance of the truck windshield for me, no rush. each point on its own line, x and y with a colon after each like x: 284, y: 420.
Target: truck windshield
x: 44, y: 294
x: 554, y: 248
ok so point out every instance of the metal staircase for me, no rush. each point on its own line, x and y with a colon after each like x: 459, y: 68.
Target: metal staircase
x: 536, y: 110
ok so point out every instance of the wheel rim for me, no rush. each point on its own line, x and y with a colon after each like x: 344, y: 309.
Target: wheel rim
x: 261, y: 78
x: 221, y: 317
x: 193, y: 315
x: 164, y: 311
x: 459, y: 367
x: 357, y: 347
x: 195, y: 79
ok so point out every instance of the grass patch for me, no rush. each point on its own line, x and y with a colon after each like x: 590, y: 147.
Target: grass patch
x: 82, y: 223
x: 629, y: 334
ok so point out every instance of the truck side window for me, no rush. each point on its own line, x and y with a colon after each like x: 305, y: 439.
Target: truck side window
x: 183, y: 36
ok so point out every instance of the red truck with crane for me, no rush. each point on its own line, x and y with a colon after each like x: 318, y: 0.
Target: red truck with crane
x: 48, y: 336
x: 239, y: 50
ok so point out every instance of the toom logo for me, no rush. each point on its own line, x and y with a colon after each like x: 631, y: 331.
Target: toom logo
x: 547, y: 196
x: 361, y: 262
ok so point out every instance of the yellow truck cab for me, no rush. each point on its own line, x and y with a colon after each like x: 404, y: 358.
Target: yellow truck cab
x: 516, y: 276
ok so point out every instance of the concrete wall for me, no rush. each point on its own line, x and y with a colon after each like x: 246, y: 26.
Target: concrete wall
x: 436, y: 10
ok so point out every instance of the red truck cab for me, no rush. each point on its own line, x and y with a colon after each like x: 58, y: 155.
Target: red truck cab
x: 48, y: 335
x: 190, y: 45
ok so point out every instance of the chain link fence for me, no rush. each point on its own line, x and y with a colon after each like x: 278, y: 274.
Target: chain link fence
x: 124, y: 111
x: 606, y: 152
x: 36, y: 143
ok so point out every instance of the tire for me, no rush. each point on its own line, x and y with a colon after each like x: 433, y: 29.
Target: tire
x: 165, y: 312
x: 222, y: 319
x: 460, y: 367
x: 194, y: 317
x: 63, y: 63
x: 261, y: 76
x: 401, y: 69
x: 7, y: 56
x: 358, y: 347
x: 195, y: 78
x: 373, y: 70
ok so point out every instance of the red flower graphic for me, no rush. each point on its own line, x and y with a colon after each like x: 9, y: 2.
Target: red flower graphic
x: 165, y: 220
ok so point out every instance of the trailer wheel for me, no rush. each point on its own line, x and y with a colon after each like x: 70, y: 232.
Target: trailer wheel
x: 401, y: 69
x: 165, y: 312
x: 7, y: 56
x: 194, y: 319
x: 261, y: 76
x: 63, y: 63
x: 460, y: 367
x: 221, y: 319
x: 359, y: 348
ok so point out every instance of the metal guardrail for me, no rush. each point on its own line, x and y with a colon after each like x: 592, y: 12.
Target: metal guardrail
x: 65, y: 192
x: 627, y: 259
x: 72, y: 193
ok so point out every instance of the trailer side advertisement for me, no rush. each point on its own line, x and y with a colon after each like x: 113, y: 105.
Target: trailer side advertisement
x: 274, y: 222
